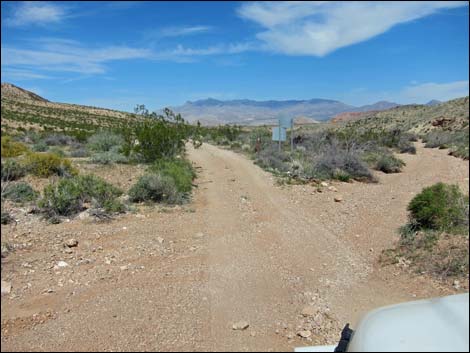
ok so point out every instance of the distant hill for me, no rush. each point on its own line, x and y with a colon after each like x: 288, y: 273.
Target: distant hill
x: 433, y: 102
x: 452, y: 115
x: 22, y: 109
x: 250, y: 112
x: 14, y: 92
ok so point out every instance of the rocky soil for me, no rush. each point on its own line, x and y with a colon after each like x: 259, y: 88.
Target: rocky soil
x: 247, y: 265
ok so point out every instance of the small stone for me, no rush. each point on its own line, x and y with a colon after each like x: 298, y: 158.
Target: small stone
x: 123, y: 268
x: 6, y: 287
x: 241, y: 325
x: 456, y: 284
x: 199, y: 235
x: 332, y: 188
x: 68, y: 250
x: 71, y: 243
x: 124, y: 228
x: 304, y: 333
x: 290, y: 335
x: 338, y: 198
x: 324, y: 184
x: 62, y: 264
x: 160, y: 240
x: 308, y: 311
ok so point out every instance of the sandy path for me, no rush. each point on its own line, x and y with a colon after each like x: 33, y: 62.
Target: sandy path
x: 244, y: 250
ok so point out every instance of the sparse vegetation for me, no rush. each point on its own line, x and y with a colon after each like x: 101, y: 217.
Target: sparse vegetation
x: 12, y: 170
x: 179, y: 169
x: 157, y: 188
x: 47, y: 164
x: 435, y: 240
x: 11, y: 148
x: 19, y: 192
x: 67, y: 196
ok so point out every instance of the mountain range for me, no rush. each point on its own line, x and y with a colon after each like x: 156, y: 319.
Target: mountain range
x: 251, y: 112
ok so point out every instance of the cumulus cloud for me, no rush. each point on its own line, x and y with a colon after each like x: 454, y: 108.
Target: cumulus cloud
x: 320, y: 27
x: 36, y: 13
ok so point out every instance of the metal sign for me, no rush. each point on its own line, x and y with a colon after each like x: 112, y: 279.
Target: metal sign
x: 279, y: 133
x: 286, y: 122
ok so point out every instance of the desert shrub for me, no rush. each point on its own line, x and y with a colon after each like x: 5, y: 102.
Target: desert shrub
x: 235, y: 144
x: 246, y: 148
x: 79, y: 152
x: 180, y: 170
x: 108, y: 157
x: 66, y: 197
x: 11, y: 148
x: 337, y: 163
x: 57, y: 151
x: 12, y: 170
x: 41, y: 146
x: 441, y: 139
x: 47, y: 164
x: 104, y: 141
x: 388, y: 163
x: 157, y: 188
x: 273, y: 159
x: 439, y: 207
x: 19, y: 192
x: 157, y: 137
x: 58, y: 140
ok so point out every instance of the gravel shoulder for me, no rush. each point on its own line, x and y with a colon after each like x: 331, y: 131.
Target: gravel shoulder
x: 178, y: 279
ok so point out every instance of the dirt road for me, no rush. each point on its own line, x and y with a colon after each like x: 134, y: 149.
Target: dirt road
x: 244, y: 250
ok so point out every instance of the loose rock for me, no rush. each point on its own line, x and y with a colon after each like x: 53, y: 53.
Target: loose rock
x: 304, y: 333
x: 241, y: 325
x: 338, y: 198
x: 71, y: 243
x: 6, y: 287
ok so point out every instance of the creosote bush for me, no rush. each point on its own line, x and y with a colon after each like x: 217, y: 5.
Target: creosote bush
x: 47, y: 164
x: 12, y: 170
x: 157, y: 188
x: 11, y: 148
x: 19, y: 192
x: 178, y: 169
x: 439, y: 207
x: 66, y: 197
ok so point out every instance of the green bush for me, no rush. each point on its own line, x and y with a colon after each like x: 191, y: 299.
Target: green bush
x: 439, y: 207
x: 156, y: 137
x: 12, y: 170
x: 41, y: 146
x: 180, y: 170
x: 388, y: 163
x: 108, y: 157
x: 58, y: 140
x: 105, y: 141
x: 157, y: 188
x: 19, y: 192
x: 57, y: 151
x: 66, y: 197
x: 12, y: 148
x: 47, y: 164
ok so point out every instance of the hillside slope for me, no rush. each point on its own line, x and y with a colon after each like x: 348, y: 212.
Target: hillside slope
x: 22, y: 109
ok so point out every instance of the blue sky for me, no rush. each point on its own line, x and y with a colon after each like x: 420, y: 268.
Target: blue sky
x: 118, y: 54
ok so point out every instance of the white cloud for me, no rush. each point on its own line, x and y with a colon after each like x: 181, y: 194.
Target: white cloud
x: 183, y: 31
x: 320, y: 27
x: 36, y: 13
x: 64, y: 55
x: 423, y: 93
x: 22, y: 75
